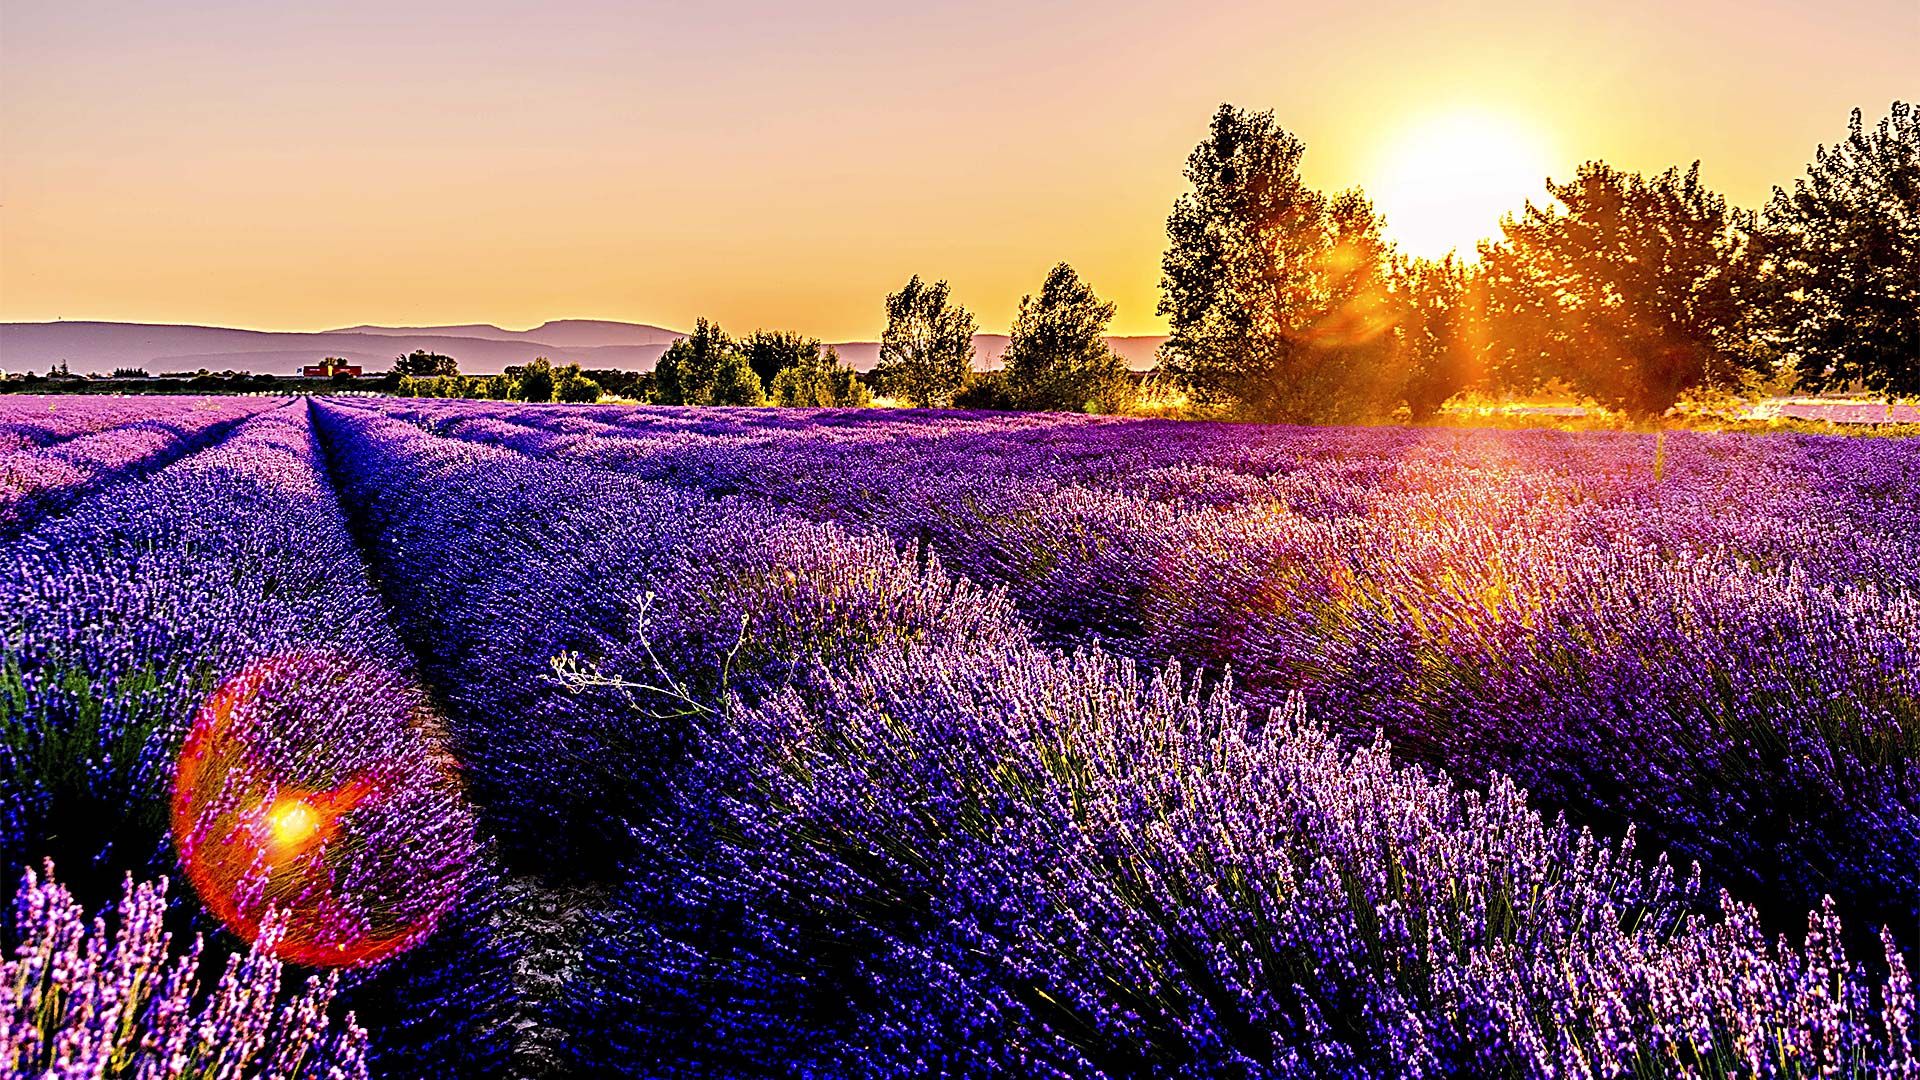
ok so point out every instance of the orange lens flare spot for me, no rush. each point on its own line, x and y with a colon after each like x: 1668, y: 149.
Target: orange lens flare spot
x: 284, y: 800
x: 295, y: 824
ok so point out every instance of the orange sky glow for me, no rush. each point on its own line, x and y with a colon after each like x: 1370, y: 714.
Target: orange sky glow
x: 307, y: 166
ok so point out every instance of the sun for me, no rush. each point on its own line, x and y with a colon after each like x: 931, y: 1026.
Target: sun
x: 1443, y: 182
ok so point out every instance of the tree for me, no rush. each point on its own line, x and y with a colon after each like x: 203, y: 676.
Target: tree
x: 1438, y: 337
x: 986, y: 390
x: 1631, y: 291
x: 534, y: 381
x: 1274, y: 293
x: 1057, y: 356
x: 734, y: 383
x: 819, y: 381
x: 422, y: 364
x: 1843, y: 251
x: 436, y: 386
x: 618, y: 382
x: 1344, y: 358
x: 706, y: 368
x: 686, y: 370
x: 769, y: 352
x: 926, y: 351
x: 572, y: 386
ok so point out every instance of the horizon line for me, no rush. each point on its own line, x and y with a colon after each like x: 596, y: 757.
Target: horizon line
x: 425, y: 328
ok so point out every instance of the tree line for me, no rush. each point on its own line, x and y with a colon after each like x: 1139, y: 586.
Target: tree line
x: 776, y: 367
x: 428, y: 374
x: 1287, y: 304
x: 1057, y: 357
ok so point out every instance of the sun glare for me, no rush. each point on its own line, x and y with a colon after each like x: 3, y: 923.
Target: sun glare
x: 294, y: 822
x: 351, y: 826
x: 1444, y: 182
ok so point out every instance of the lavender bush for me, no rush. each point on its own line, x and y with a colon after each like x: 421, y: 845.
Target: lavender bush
x: 300, y: 791
x: 81, y: 999
x: 37, y: 478
x: 1711, y: 637
x: 818, y: 742
x: 1016, y: 864
x: 501, y: 565
x: 126, y: 615
x: 31, y: 420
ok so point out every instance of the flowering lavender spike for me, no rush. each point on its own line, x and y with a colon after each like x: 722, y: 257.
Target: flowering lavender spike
x: 109, y: 997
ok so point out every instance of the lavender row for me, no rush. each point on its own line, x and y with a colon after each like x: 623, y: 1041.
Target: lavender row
x: 1726, y: 483
x: 29, y: 421
x: 519, y: 583
x: 1016, y: 864
x: 224, y: 596
x: 1833, y: 506
x: 1712, y: 637
x: 42, y: 479
x: 956, y: 855
x: 498, y: 566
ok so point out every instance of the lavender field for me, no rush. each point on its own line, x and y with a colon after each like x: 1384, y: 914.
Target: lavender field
x: 486, y: 738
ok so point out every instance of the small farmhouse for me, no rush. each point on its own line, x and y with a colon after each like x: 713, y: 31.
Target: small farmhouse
x: 328, y: 368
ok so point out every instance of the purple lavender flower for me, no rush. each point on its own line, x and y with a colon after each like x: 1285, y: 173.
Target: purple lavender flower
x: 1023, y: 864
x: 111, y: 996
x: 1724, y: 652
x: 127, y: 611
x: 53, y: 465
x: 771, y: 703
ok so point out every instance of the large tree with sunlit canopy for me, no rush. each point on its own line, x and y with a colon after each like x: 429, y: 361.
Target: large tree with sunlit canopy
x: 926, y: 351
x: 1630, y: 289
x: 1439, y: 330
x: 706, y: 368
x: 1057, y: 355
x: 1843, y: 251
x: 1274, y: 293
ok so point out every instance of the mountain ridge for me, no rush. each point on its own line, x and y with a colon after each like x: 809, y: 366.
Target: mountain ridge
x: 97, y: 347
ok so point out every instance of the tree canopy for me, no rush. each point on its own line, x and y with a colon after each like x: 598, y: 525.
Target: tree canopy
x: 422, y: 364
x: 1057, y: 355
x: 1843, y: 252
x: 1439, y: 331
x: 534, y: 381
x: 1274, y: 293
x: 819, y: 380
x: 706, y: 368
x: 769, y: 352
x: 926, y: 351
x: 569, y: 385
x: 1631, y: 290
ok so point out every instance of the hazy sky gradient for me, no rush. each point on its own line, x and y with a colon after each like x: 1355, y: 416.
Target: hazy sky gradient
x: 301, y: 166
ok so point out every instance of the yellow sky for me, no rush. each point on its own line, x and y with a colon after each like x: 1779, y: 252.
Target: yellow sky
x: 304, y: 166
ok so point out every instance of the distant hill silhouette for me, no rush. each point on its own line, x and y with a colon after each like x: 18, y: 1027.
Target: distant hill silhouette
x: 586, y: 333
x: 100, y: 347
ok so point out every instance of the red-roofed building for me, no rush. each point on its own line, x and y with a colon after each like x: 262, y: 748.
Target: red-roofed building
x: 331, y: 366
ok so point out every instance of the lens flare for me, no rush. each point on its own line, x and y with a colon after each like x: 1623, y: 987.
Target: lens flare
x: 295, y: 826
x: 311, y: 783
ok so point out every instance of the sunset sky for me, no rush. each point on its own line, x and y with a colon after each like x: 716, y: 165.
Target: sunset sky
x: 291, y: 165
